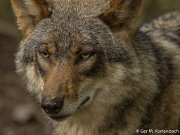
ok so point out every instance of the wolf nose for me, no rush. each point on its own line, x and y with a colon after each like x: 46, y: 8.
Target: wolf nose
x: 52, y: 106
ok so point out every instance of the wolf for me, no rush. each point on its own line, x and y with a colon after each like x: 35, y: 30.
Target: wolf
x: 95, y: 70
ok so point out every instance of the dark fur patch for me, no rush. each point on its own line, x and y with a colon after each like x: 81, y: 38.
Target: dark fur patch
x: 98, y: 68
x: 40, y: 68
x: 174, y: 40
x: 119, y: 55
x: 164, y: 72
x: 117, y: 117
x: 178, y: 32
x: 163, y: 65
x: 28, y: 56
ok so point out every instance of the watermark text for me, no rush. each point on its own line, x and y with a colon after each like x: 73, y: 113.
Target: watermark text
x: 157, y: 131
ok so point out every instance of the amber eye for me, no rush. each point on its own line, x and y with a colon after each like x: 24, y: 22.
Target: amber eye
x: 85, y: 55
x: 45, y: 54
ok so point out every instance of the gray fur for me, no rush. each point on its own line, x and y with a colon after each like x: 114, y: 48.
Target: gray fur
x: 138, y: 79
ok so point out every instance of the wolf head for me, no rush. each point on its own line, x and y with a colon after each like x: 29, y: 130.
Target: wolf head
x: 71, y: 48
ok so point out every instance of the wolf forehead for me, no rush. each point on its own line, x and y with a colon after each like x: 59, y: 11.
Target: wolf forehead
x: 74, y: 29
x: 66, y: 29
x: 72, y: 17
x: 63, y: 35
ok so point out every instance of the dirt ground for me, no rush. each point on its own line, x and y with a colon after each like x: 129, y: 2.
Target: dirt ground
x: 14, y: 100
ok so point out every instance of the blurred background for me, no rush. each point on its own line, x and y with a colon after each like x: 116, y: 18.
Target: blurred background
x: 19, y: 114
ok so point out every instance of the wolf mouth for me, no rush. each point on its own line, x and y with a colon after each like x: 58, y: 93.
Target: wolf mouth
x: 59, y: 118
x: 63, y: 117
x: 85, y: 101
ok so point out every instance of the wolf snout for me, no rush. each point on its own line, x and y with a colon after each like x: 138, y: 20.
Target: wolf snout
x: 52, y: 106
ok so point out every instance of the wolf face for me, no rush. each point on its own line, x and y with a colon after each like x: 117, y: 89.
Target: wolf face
x: 68, y: 51
x: 69, y: 64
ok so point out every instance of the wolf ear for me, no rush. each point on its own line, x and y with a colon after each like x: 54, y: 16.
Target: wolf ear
x: 122, y: 15
x: 29, y: 13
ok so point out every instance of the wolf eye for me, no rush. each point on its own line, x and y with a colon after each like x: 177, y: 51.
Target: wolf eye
x: 85, y: 55
x: 45, y: 54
